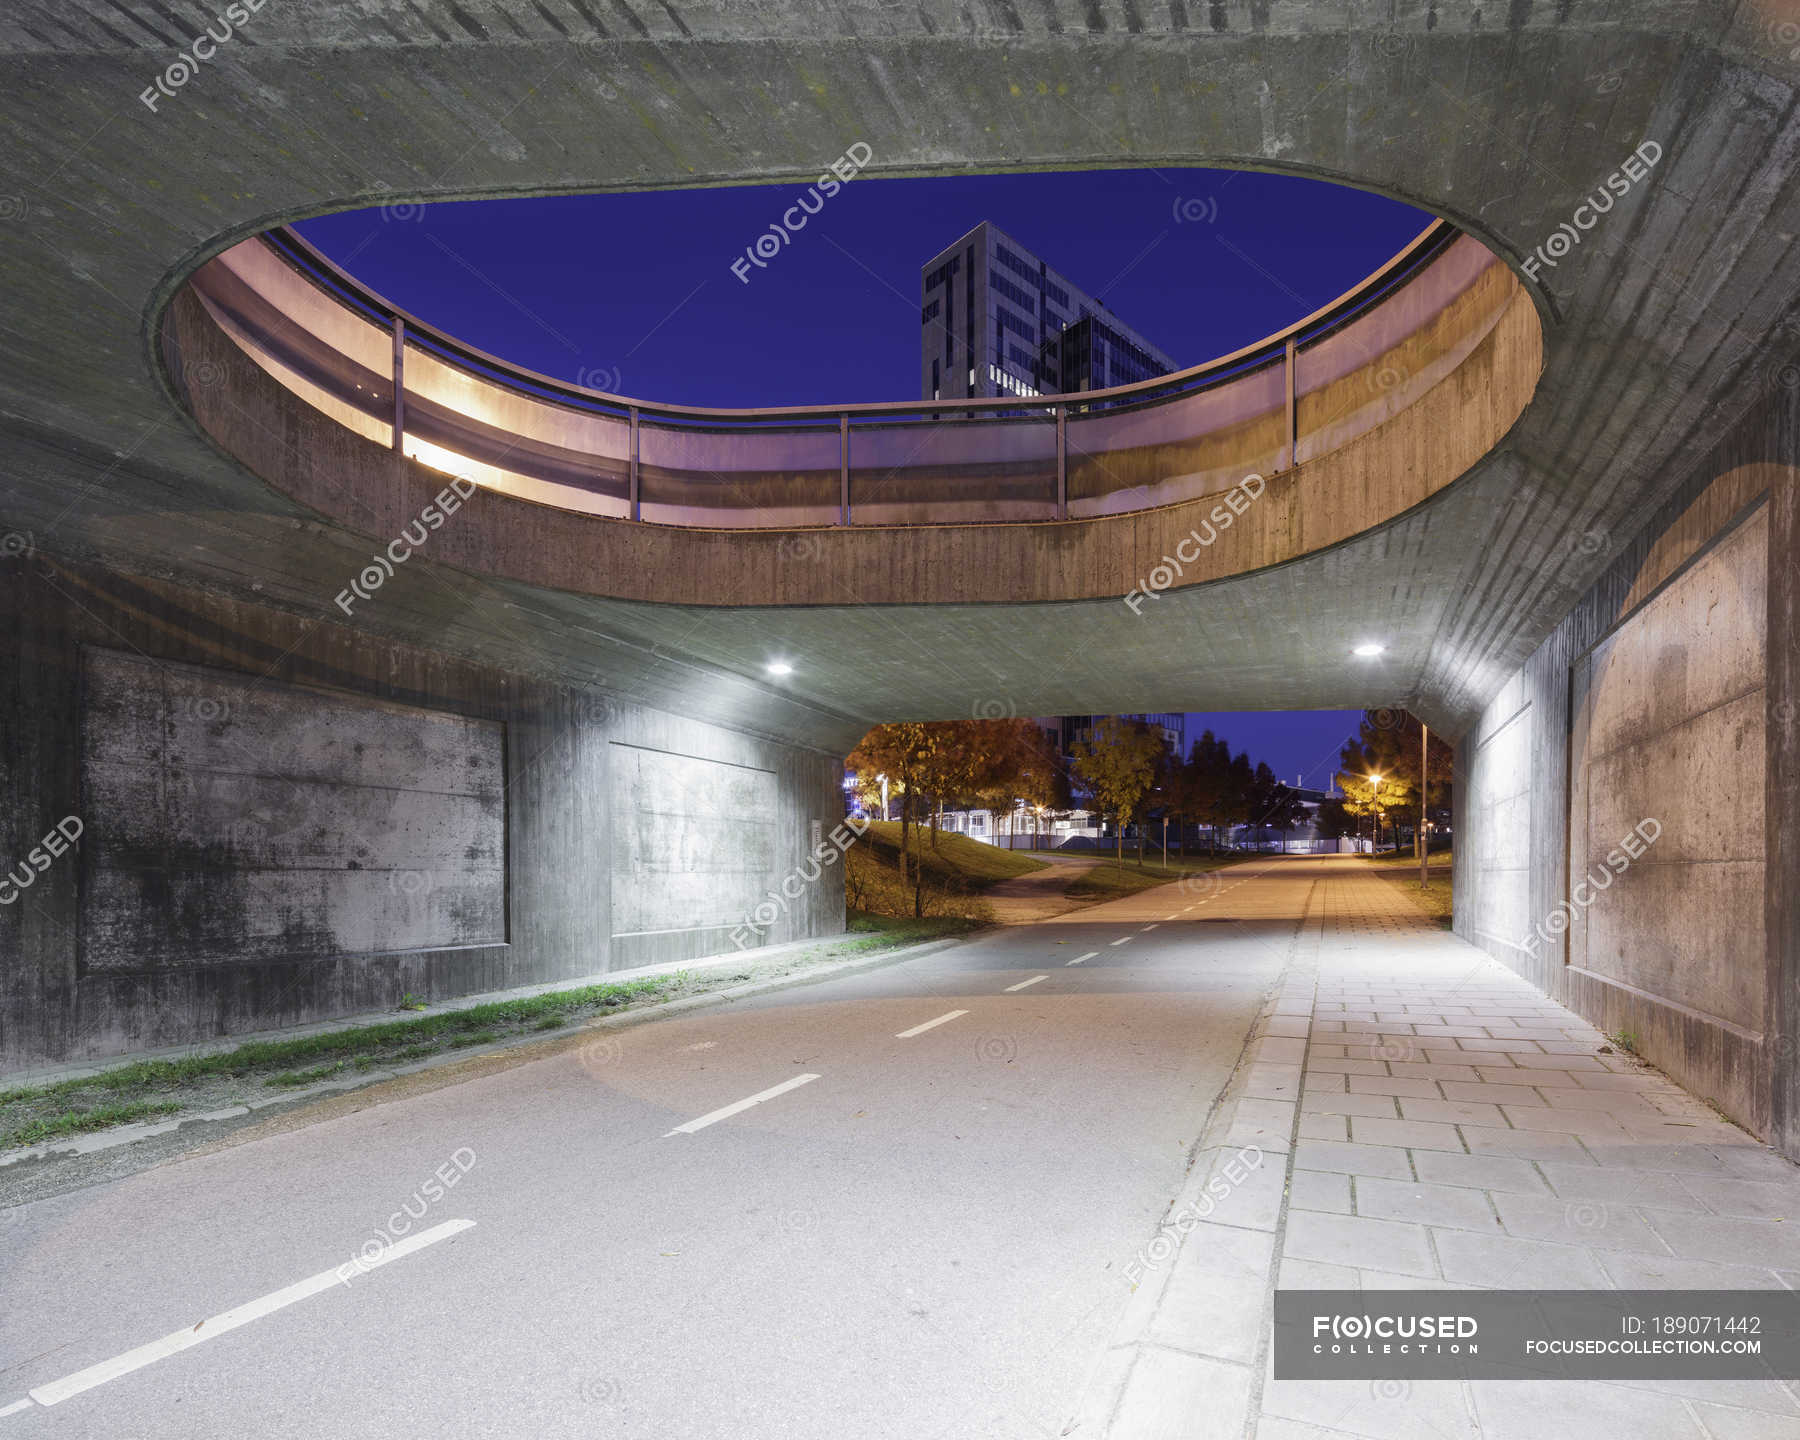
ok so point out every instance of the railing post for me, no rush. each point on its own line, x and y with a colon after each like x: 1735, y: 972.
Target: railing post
x: 399, y: 383
x: 1062, y: 462
x: 1293, y: 431
x: 844, y: 469
x: 636, y: 489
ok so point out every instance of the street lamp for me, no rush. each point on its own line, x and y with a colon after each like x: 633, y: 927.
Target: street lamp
x: 1375, y: 806
x: 882, y: 779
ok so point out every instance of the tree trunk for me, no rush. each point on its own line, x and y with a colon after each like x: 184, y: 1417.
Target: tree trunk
x: 905, y: 818
x: 918, y: 883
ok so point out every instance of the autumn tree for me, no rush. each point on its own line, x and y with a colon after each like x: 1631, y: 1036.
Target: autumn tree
x: 1022, y: 765
x: 1116, y: 763
x: 934, y: 764
x: 903, y: 752
x: 1364, y: 794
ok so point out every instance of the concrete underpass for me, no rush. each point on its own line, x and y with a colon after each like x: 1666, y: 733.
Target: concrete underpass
x: 1047, y: 1180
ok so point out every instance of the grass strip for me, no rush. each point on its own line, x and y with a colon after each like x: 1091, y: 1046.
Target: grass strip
x: 87, y: 1102
x: 29, y: 1114
x: 76, y: 1122
x: 1435, y: 899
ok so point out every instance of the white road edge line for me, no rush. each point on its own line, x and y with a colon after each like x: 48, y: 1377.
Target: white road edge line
x: 71, y: 1385
x: 1009, y: 989
x: 712, y: 1117
x: 928, y: 1025
x: 1079, y: 958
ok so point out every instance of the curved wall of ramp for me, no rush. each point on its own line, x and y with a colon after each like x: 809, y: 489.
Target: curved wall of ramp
x: 1347, y: 419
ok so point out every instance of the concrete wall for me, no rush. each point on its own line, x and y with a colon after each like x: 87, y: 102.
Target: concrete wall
x: 231, y: 819
x: 282, y: 820
x: 1616, y: 799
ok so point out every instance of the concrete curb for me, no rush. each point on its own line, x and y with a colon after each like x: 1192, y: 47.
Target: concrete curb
x: 529, y: 1047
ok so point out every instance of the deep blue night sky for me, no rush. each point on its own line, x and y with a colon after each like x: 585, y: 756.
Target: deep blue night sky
x: 634, y: 292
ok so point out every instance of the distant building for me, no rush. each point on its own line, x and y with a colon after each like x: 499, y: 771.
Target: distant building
x: 1071, y: 729
x: 996, y: 320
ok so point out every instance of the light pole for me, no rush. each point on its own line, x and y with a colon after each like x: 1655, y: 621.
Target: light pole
x: 1424, y: 763
x: 1375, y: 814
x: 882, y: 780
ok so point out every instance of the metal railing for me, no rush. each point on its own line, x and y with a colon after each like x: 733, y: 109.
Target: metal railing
x: 402, y: 381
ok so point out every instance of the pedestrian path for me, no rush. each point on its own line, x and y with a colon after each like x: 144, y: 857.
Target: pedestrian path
x: 1430, y: 1120
x: 1026, y: 899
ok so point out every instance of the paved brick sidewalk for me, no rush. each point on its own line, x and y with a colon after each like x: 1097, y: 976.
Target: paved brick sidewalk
x: 1429, y: 1120
x: 1458, y: 1129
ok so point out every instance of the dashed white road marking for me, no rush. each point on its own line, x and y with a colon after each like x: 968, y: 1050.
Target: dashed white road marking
x: 71, y: 1385
x: 1079, y: 958
x: 1123, y: 940
x: 1032, y: 981
x: 17, y: 1406
x: 929, y: 1024
x: 1149, y: 927
x: 712, y: 1117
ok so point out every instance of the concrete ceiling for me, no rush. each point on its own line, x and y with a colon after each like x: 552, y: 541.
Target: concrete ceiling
x: 1660, y: 327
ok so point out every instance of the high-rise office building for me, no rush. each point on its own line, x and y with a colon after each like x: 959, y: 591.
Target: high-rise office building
x: 996, y: 320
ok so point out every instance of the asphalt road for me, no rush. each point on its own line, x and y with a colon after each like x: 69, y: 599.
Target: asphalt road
x: 926, y: 1239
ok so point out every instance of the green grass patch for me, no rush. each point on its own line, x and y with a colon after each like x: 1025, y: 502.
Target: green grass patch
x: 954, y: 856
x: 1435, y: 899
x: 77, y: 1122
x: 1406, y: 860
x: 117, y: 1096
x: 956, y: 871
x: 884, y: 931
